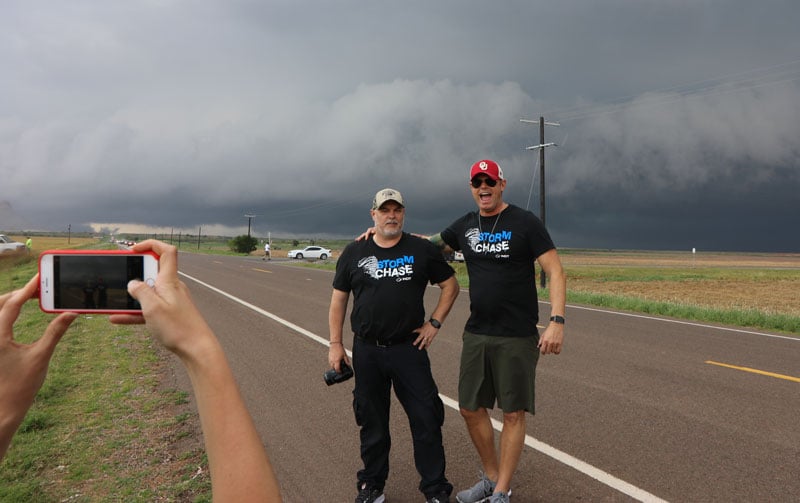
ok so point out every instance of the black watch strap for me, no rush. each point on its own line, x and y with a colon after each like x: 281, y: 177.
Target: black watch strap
x: 557, y: 319
x: 436, y: 323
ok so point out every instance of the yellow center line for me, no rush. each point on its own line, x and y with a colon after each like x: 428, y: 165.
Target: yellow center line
x: 755, y: 371
x: 261, y: 270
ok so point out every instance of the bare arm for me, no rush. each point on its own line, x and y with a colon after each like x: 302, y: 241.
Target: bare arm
x: 447, y: 296
x: 336, y: 314
x: 23, y: 367
x: 437, y: 240
x: 552, y: 339
x: 239, y: 465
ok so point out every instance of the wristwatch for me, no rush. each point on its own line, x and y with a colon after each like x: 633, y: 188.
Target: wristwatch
x: 557, y: 319
x: 436, y: 324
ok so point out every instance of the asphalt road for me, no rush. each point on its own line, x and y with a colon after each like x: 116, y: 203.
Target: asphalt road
x: 635, y: 407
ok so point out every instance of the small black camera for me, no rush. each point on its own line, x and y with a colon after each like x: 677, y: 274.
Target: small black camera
x: 333, y: 377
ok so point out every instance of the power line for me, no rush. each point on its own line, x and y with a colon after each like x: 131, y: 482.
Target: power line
x: 751, y: 79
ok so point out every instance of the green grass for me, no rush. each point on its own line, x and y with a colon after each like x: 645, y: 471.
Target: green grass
x: 738, y: 318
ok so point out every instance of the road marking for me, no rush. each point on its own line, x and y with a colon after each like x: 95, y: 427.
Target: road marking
x: 680, y: 322
x: 571, y: 461
x: 262, y: 270
x: 754, y: 371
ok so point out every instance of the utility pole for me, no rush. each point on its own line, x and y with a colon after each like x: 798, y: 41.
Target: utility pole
x: 541, y: 146
x: 249, y: 219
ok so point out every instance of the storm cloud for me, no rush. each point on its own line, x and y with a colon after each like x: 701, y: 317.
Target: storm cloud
x: 679, y: 121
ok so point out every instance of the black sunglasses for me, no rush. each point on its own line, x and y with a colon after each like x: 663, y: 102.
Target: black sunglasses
x: 478, y: 181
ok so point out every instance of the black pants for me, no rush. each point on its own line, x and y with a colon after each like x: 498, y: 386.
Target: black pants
x: 408, y: 369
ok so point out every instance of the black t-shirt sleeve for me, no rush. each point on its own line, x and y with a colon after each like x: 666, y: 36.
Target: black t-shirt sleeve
x: 342, y: 277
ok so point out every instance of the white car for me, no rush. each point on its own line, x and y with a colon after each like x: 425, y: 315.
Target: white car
x: 310, y: 252
x: 8, y: 245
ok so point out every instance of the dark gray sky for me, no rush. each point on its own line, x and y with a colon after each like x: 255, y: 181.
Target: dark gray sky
x: 680, y: 120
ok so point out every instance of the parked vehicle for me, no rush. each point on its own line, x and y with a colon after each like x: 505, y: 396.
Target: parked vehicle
x: 310, y: 252
x: 454, y: 256
x: 8, y: 245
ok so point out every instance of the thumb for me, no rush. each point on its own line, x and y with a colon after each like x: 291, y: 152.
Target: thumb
x: 141, y: 292
x: 55, y: 330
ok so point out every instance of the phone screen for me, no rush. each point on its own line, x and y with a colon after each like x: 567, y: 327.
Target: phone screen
x: 95, y: 281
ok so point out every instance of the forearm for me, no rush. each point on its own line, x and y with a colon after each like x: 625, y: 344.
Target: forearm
x: 437, y: 241
x: 336, y: 315
x: 240, y: 468
x: 558, y: 293
x: 447, y: 297
x: 8, y: 426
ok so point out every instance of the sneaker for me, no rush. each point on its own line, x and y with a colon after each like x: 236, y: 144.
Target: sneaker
x: 500, y: 497
x: 370, y: 495
x: 441, y: 497
x: 478, y: 493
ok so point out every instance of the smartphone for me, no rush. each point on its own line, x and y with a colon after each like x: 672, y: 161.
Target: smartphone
x: 93, y: 281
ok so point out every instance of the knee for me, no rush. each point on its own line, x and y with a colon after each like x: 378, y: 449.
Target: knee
x: 472, y: 415
x: 514, y: 418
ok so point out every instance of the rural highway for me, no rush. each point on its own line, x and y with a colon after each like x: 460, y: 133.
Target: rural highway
x: 635, y: 408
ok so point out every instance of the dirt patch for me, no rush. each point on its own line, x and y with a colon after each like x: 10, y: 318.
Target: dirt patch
x: 680, y: 259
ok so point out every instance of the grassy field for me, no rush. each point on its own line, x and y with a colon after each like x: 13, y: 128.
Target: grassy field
x: 753, y: 290
x: 109, y: 424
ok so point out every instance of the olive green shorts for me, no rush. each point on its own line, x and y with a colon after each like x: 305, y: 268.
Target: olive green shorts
x: 498, y: 369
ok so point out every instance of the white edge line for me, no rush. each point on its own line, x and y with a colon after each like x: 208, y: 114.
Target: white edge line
x: 681, y: 322
x: 571, y: 461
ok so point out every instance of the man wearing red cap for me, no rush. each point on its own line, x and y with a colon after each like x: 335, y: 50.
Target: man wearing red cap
x: 500, y: 243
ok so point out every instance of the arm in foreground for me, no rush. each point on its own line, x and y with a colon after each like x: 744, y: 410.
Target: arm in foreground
x: 239, y: 465
x: 552, y: 340
x: 23, y: 367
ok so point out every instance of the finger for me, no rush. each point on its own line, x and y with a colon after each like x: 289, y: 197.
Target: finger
x: 168, y: 256
x: 54, y: 332
x: 126, y: 319
x: 141, y: 292
x: 12, y: 305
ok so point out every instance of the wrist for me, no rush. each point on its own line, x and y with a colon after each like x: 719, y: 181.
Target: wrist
x: 556, y: 318
x: 435, y: 323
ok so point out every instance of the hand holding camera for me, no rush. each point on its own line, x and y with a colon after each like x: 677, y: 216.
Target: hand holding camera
x: 332, y: 377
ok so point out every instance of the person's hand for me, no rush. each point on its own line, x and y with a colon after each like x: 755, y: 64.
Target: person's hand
x: 425, y: 335
x: 336, y: 354
x: 552, y: 339
x: 167, y: 307
x: 367, y: 233
x: 23, y: 367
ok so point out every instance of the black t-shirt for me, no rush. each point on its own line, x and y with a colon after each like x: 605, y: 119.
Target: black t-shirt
x: 500, y: 252
x: 388, y: 285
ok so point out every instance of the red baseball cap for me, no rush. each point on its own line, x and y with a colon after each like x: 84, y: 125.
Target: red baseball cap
x: 486, y: 167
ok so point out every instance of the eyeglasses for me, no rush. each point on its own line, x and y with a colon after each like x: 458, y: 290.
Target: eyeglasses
x: 478, y: 181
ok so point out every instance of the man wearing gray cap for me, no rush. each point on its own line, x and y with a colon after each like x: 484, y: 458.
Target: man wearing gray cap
x: 388, y: 274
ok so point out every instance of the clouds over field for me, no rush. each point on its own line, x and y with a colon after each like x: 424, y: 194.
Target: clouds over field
x: 679, y: 122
